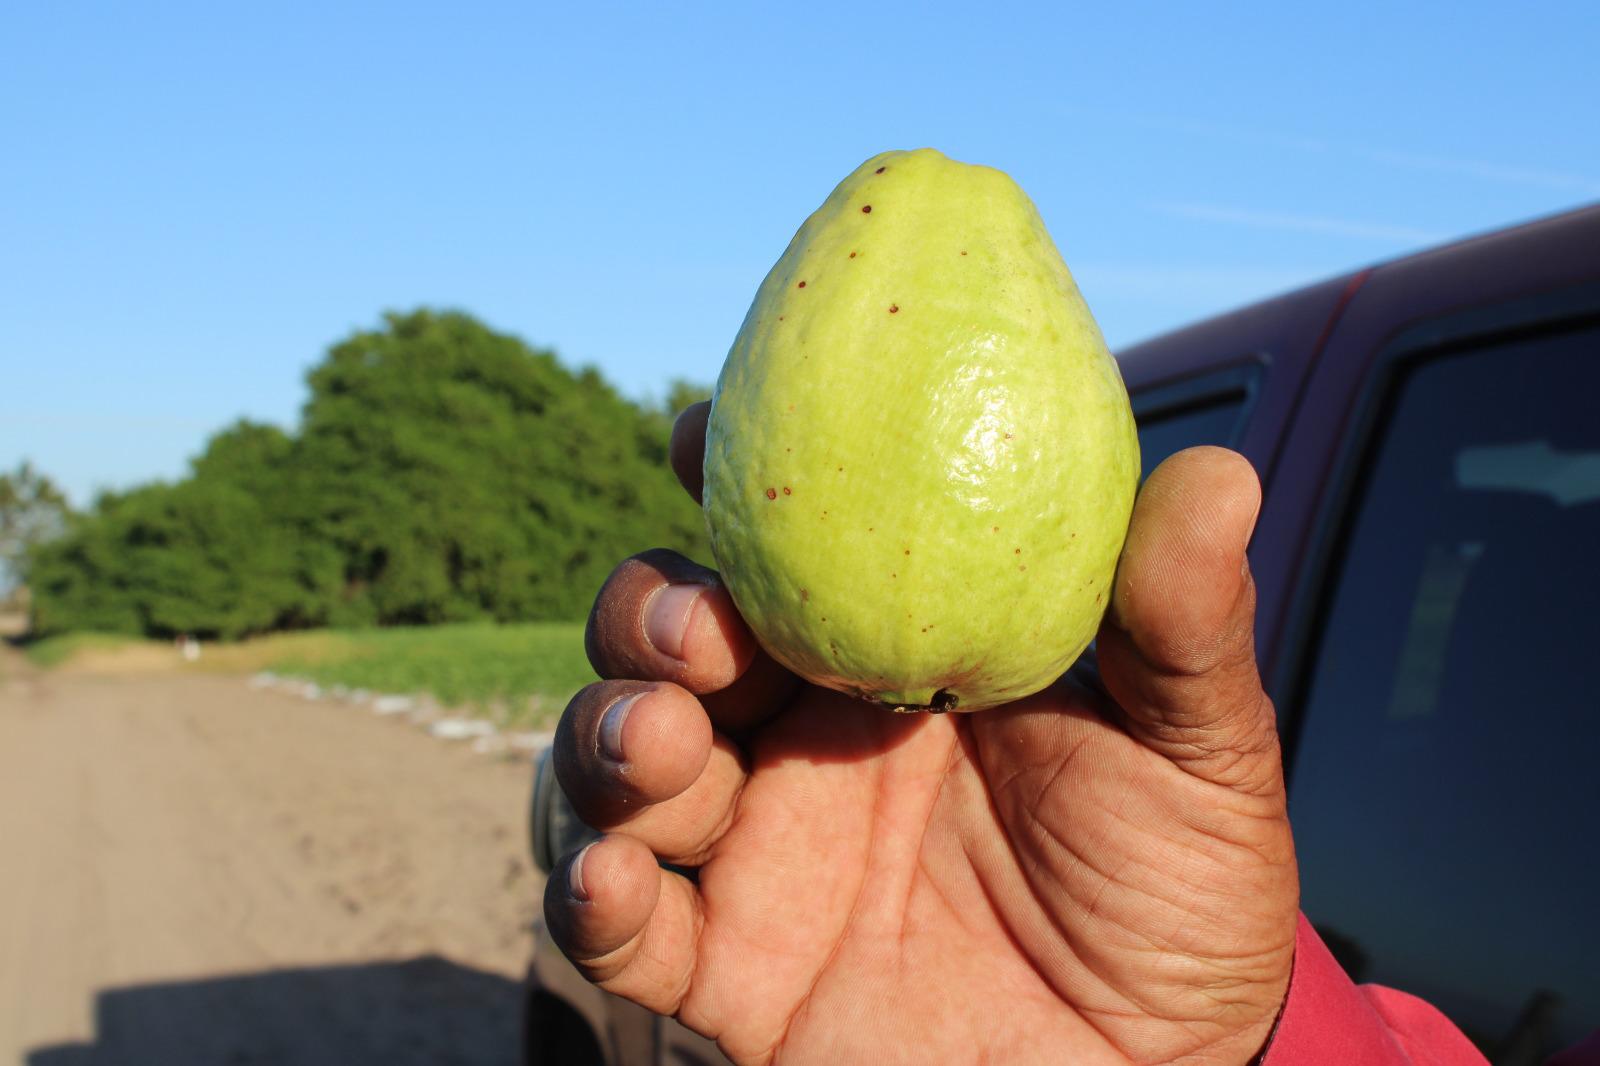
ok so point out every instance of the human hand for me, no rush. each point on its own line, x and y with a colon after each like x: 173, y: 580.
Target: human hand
x: 1063, y: 879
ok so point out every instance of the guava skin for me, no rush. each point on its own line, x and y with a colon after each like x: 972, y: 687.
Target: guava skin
x: 921, y: 462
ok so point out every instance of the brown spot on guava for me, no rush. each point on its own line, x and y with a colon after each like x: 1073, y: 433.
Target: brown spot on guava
x: 894, y: 309
x: 801, y: 285
x: 881, y: 169
x: 963, y: 253
x: 804, y: 595
x: 852, y: 255
x: 866, y: 209
x: 786, y: 490
x: 1019, y: 551
x: 772, y: 494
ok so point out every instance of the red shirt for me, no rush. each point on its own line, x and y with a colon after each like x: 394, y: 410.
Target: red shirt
x: 1328, y: 1020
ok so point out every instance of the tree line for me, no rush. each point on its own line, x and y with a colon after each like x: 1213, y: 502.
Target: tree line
x: 441, y: 472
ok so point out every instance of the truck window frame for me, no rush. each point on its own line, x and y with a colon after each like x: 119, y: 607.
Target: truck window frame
x: 1238, y: 382
x: 1176, y: 396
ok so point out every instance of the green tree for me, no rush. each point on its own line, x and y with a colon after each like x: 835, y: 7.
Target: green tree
x: 202, y: 557
x: 292, y: 554
x: 465, y: 475
x: 227, y: 552
x: 32, y: 511
x: 442, y: 472
x: 681, y: 394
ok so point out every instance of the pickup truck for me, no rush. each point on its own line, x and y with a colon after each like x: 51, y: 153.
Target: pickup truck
x: 1427, y: 432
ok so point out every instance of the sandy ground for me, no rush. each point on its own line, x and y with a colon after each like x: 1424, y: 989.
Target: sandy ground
x: 196, y: 872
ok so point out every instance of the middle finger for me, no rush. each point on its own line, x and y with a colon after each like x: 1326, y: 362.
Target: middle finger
x: 642, y: 759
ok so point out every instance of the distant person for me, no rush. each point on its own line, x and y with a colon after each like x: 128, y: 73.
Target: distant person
x: 1064, y: 880
x: 188, y: 648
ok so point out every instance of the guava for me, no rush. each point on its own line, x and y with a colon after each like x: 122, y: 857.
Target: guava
x: 921, y: 461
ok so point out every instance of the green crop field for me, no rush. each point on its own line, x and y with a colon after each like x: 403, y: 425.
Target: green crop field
x: 56, y: 651
x: 520, y: 674
x: 525, y: 673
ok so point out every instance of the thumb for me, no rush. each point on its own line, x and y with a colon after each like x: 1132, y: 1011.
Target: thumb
x: 1177, y: 649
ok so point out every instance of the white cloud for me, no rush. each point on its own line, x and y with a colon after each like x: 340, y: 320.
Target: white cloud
x: 1297, y: 223
x: 1474, y: 168
x: 1477, y: 169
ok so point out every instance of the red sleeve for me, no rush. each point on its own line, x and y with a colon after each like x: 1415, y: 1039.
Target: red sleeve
x: 1327, y: 1018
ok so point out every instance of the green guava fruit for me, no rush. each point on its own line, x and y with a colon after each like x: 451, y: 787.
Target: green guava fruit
x: 921, y: 460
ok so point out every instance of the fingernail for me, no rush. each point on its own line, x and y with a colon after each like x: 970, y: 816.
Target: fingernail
x: 666, y: 617
x: 575, y: 874
x: 611, y: 727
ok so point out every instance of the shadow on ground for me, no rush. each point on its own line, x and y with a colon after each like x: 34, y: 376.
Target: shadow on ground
x: 424, y: 1010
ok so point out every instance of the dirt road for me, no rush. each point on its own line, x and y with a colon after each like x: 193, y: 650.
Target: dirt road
x: 194, y: 872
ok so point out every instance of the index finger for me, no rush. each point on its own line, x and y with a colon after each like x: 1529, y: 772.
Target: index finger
x: 687, y: 453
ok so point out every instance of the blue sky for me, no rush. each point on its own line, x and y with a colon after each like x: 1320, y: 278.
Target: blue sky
x: 197, y: 199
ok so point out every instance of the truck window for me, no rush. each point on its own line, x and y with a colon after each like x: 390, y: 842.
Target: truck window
x: 1205, y: 410
x: 1444, y: 792
x: 1166, y: 432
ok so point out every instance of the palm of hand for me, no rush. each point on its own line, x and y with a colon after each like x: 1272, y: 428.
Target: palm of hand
x: 1069, y: 878
x: 891, y: 892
